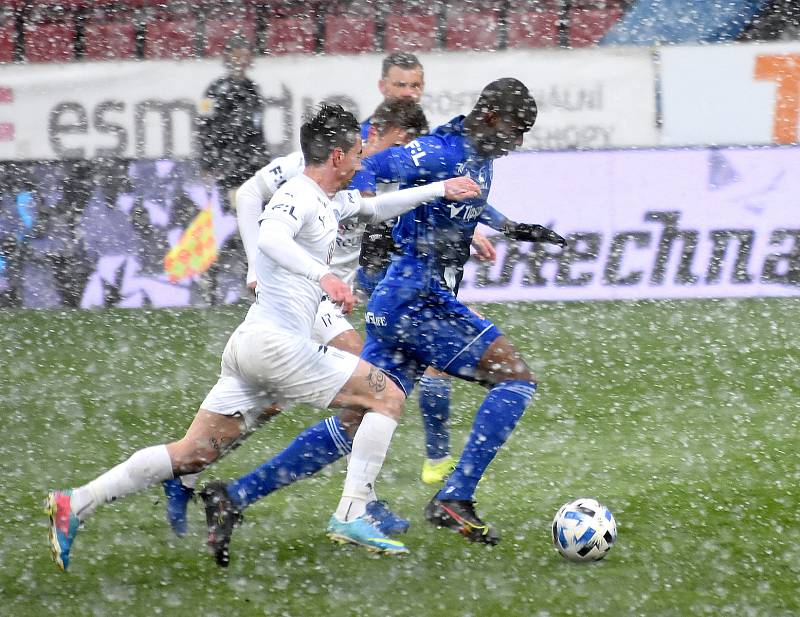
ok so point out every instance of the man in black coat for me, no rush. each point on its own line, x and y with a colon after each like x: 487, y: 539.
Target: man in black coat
x: 232, y: 141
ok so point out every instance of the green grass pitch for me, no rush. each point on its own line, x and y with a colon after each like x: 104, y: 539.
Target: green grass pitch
x: 682, y: 417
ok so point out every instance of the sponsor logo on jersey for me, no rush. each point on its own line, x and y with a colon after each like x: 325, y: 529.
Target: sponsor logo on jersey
x: 470, y: 212
x: 416, y: 151
x: 375, y: 320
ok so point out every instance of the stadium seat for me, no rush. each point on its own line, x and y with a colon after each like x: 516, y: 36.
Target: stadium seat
x: 476, y: 30
x: 169, y: 38
x: 8, y: 41
x: 109, y: 40
x: 218, y: 31
x: 289, y: 35
x: 346, y: 34
x: 50, y: 41
x: 588, y: 25
x: 411, y: 32
x: 532, y: 29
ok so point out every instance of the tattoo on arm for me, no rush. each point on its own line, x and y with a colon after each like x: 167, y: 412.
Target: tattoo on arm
x: 376, y: 380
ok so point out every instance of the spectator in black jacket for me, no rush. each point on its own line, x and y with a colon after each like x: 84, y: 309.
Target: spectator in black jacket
x: 232, y: 141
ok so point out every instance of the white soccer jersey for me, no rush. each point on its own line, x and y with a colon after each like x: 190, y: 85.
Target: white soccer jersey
x: 285, y: 298
x: 260, y: 189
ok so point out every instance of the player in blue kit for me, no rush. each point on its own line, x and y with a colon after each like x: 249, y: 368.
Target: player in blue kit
x: 414, y: 319
x: 403, y: 77
x: 459, y: 342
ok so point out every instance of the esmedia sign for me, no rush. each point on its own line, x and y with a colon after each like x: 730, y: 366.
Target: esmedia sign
x: 647, y: 224
x: 149, y: 109
x: 108, y: 129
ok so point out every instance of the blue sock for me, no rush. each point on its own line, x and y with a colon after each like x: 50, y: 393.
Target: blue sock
x: 434, y: 405
x: 311, y: 450
x: 496, y: 418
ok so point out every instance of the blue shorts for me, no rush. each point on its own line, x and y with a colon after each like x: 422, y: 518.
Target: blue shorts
x: 368, y: 282
x: 410, y: 329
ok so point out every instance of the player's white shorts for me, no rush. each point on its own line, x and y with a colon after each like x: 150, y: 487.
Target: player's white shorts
x: 330, y: 322
x: 264, y: 366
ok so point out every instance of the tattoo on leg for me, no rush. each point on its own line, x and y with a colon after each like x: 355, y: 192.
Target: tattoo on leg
x: 216, y: 444
x: 376, y: 380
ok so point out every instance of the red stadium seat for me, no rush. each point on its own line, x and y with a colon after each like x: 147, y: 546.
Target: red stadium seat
x: 50, y: 41
x: 346, y: 34
x: 8, y: 40
x: 290, y: 35
x: 411, y: 32
x: 588, y: 25
x: 218, y: 31
x: 169, y: 38
x: 472, y: 30
x: 109, y: 40
x: 532, y: 29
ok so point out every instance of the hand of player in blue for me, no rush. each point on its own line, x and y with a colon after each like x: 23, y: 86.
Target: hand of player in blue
x: 338, y: 292
x: 484, y: 249
x: 461, y: 188
x: 533, y: 233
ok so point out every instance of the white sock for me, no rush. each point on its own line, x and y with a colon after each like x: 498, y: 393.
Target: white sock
x: 189, y: 480
x: 370, y: 444
x: 143, y: 469
x: 373, y: 496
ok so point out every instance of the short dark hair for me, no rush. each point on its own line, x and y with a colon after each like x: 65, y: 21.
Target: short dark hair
x: 330, y: 127
x: 508, y: 97
x: 400, y: 59
x: 402, y: 114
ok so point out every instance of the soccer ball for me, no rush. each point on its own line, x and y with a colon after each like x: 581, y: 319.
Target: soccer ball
x: 584, y: 530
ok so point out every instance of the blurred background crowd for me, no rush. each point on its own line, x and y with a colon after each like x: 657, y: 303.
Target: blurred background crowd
x: 94, y: 232
x: 63, y: 30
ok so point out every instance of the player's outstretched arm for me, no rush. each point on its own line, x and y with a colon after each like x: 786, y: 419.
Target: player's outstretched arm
x: 526, y: 232
x: 492, y: 217
x: 391, y: 205
x: 533, y: 233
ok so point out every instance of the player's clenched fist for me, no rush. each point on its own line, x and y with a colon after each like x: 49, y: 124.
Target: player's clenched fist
x: 338, y: 291
x: 461, y: 188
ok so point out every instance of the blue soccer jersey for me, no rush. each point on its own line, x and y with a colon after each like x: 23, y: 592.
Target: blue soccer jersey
x: 436, y: 235
x: 414, y: 319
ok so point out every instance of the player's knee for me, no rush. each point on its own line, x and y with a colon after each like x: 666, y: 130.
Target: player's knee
x: 350, y: 420
x: 513, y: 370
x: 523, y: 373
x: 190, y: 457
x: 391, y: 401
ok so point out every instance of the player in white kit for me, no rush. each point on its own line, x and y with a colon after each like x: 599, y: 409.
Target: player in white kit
x: 270, y: 359
x: 395, y: 122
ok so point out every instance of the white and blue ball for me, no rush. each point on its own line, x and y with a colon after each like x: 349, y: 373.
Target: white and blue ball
x: 584, y: 530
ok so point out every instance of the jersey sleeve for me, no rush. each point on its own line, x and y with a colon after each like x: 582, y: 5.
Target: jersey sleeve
x: 250, y: 199
x: 272, y: 177
x: 425, y: 159
x: 349, y: 204
x: 288, y: 209
x: 492, y: 217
